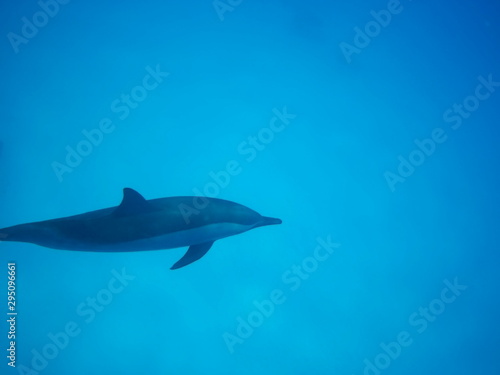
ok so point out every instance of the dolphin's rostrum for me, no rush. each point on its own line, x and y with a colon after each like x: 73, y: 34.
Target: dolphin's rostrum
x: 138, y: 224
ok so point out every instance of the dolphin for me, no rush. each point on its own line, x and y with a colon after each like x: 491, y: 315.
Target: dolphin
x: 138, y: 224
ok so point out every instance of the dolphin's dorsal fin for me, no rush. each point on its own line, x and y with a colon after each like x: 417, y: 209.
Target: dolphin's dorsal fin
x: 132, y: 203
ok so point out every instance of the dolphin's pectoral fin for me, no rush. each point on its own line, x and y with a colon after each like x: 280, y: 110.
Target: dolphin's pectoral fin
x: 132, y: 203
x: 194, y: 253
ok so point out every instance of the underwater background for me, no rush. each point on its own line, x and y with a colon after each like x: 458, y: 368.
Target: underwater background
x: 370, y: 128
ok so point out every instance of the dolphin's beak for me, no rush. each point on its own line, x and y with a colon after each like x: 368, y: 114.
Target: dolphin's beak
x: 268, y: 221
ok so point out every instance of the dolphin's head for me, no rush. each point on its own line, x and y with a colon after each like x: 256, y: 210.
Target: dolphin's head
x: 225, y: 211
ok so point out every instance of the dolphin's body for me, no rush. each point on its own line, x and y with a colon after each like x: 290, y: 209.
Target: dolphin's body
x: 138, y: 224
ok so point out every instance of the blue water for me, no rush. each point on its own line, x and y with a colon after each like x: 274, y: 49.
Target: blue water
x: 373, y: 132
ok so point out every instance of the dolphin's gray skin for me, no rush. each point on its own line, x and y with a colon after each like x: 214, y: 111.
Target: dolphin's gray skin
x: 138, y: 224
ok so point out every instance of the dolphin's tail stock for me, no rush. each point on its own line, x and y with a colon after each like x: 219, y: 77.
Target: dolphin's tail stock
x: 9, y: 233
x: 4, y: 234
